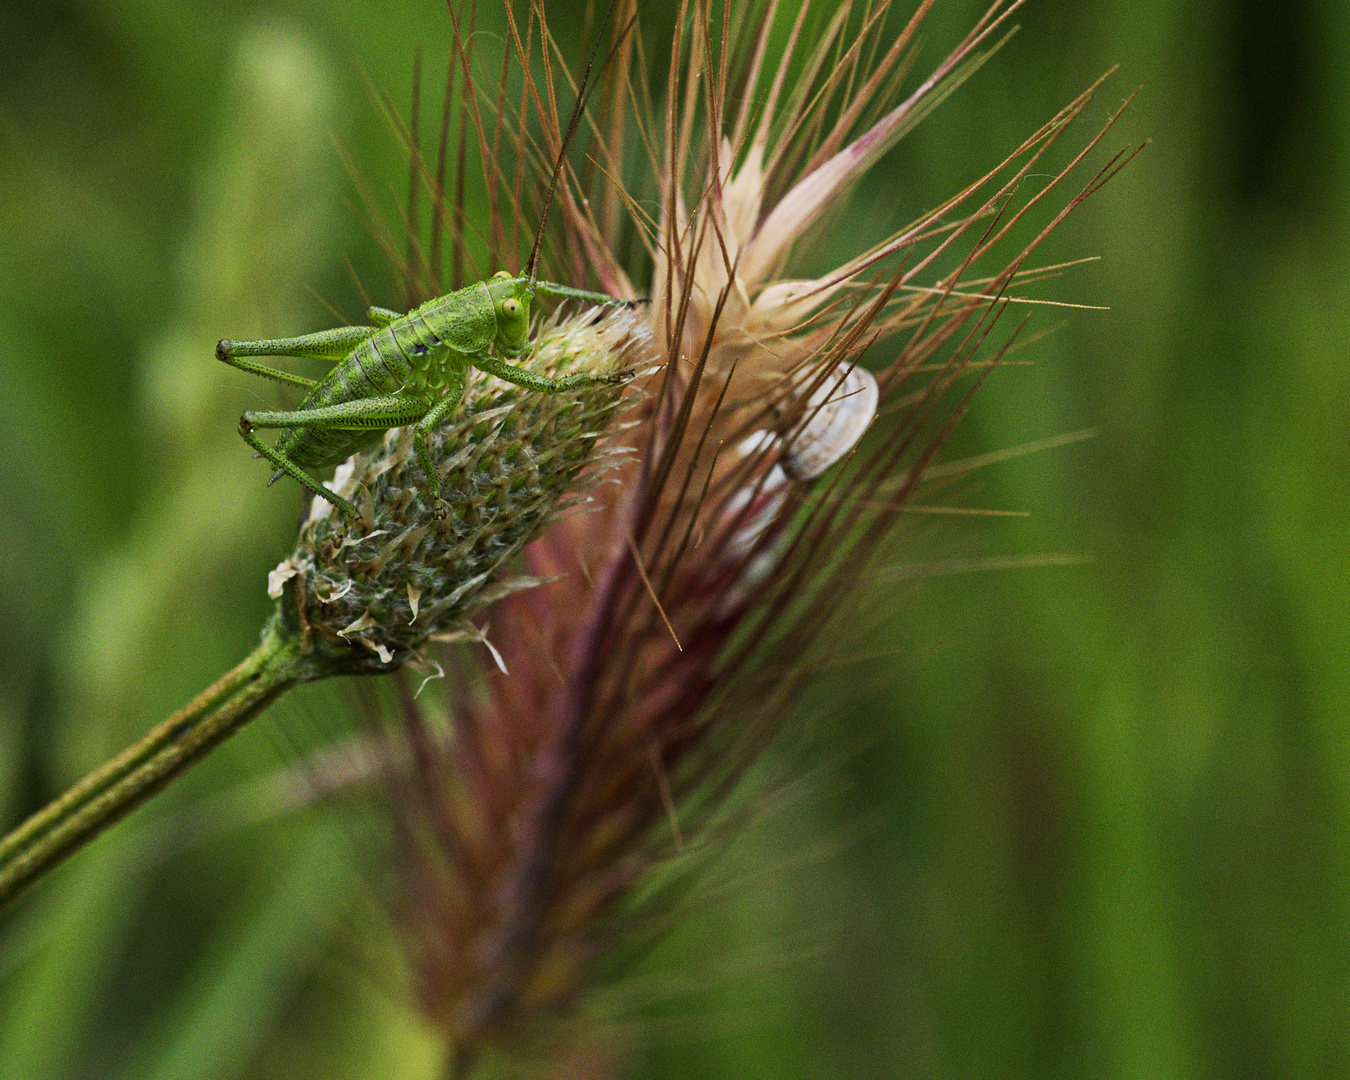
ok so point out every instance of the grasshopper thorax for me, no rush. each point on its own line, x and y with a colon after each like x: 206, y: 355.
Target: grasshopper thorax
x: 511, y: 298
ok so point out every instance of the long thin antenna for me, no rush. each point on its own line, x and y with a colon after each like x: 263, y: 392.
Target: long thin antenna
x: 578, y: 107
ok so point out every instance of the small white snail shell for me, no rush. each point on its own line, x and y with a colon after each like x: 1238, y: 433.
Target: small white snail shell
x: 833, y: 420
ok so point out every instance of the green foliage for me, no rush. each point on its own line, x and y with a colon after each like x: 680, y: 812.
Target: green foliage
x: 1107, y: 804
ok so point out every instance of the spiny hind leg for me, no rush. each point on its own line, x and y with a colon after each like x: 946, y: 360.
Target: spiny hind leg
x: 290, y: 468
x: 266, y: 372
x: 533, y: 381
x: 327, y: 344
x: 362, y: 414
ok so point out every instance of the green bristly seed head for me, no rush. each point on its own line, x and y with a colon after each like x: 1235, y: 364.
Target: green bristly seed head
x: 508, y: 459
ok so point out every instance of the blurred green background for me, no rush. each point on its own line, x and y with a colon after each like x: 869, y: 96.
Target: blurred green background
x: 1100, y: 823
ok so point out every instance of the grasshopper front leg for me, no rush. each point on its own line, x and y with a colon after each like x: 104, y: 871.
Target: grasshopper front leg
x: 362, y: 414
x: 454, y: 391
x: 532, y: 381
x: 502, y: 370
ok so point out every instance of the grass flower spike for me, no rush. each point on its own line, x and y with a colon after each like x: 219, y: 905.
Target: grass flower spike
x: 675, y: 624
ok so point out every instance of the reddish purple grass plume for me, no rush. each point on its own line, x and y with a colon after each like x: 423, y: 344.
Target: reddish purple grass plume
x: 686, y: 601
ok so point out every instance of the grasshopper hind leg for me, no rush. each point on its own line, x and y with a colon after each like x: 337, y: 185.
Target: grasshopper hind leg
x: 285, y: 466
x: 363, y: 414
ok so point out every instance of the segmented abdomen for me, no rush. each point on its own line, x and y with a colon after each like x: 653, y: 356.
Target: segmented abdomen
x: 383, y: 365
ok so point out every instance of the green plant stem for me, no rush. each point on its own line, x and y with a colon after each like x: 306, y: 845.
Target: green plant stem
x: 118, y: 786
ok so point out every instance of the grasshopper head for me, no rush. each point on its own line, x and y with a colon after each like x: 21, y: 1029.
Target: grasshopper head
x: 511, y: 298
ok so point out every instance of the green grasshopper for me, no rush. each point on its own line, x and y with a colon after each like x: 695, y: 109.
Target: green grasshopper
x: 409, y: 369
x: 404, y: 369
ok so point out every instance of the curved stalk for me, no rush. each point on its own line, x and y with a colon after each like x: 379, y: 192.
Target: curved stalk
x: 120, y: 785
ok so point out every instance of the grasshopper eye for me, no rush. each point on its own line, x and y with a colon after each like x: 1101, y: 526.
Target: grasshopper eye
x: 503, y: 274
x: 511, y: 307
